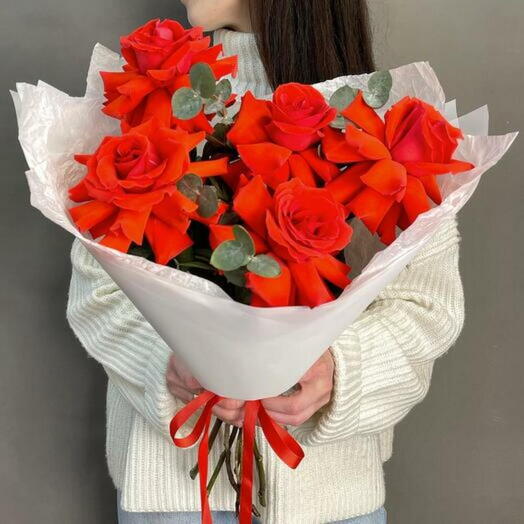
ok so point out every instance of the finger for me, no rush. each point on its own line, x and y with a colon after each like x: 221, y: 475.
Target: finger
x: 229, y: 403
x: 322, y: 367
x: 183, y: 375
x: 295, y: 419
x: 230, y: 416
x: 292, y: 404
x: 190, y: 383
x: 183, y: 394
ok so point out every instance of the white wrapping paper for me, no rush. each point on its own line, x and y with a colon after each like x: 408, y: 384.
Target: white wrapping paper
x: 234, y: 350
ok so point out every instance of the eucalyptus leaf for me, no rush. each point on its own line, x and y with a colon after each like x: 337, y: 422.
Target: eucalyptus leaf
x: 264, y: 266
x: 202, y: 79
x: 207, y: 201
x: 190, y: 185
x: 229, y: 218
x: 213, y: 106
x: 223, y: 90
x: 186, y: 103
x: 245, y: 239
x: 379, y: 87
x: 339, y: 122
x: 229, y: 255
x: 236, y: 277
x: 342, y: 97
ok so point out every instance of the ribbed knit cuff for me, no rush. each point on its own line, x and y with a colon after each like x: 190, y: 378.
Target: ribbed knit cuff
x: 160, y: 404
x: 340, y: 418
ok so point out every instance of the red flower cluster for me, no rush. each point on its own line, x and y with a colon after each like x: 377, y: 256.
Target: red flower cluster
x: 158, y: 58
x: 130, y: 189
x: 294, y: 177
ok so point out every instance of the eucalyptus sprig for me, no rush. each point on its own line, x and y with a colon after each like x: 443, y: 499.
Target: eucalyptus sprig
x: 233, y: 255
x: 206, y: 196
x: 376, y: 95
x: 205, y: 93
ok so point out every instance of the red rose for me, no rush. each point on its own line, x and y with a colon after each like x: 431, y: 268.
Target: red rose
x: 306, y: 223
x: 298, y: 112
x: 278, y: 139
x: 130, y: 190
x: 417, y: 132
x: 396, y: 162
x: 159, y: 56
x: 304, y: 227
x: 148, y: 46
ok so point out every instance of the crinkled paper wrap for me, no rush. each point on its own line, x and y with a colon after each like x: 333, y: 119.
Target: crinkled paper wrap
x: 233, y: 349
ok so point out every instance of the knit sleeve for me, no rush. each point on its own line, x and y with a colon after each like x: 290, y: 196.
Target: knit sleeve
x: 383, y: 361
x: 116, y: 334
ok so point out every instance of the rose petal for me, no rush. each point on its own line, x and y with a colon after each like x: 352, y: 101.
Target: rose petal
x: 365, y: 117
x: 311, y: 289
x: 249, y: 126
x: 333, y: 270
x: 345, y: 186
x: 386, y: 176
x: 167, y: 242
x: 251, y: 203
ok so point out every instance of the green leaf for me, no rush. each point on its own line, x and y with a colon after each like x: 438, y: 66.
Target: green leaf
x: 223, y: 89
x: 213, y: 106
x: 203, y: 253
x: 186, y: 103
x: 141, y: 251
x: 220, y: 131
x: 207, y: 202
x: 342, y: 97
x: 202, y: 79
x: 264, y: 266
x: 236, y: 277
x: 185, y: 256
x: 340, y: 122
x: 195, y: 265
x: 229, y: 218
x: 245, y: 239
x: 190, y: 185
x: 379, y: 87
x: 229, y: 255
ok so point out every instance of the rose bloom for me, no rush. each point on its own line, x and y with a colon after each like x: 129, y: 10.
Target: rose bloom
x: 298, y: 113
x: 303, y: 228
x: 278, y: 139
x: 159, y: 56
x: 150, y: 45
x: 396, y: 162
x: 306, y: 223
x: 130, y: 190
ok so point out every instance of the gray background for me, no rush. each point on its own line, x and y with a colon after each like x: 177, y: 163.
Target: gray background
x: 459, y: 459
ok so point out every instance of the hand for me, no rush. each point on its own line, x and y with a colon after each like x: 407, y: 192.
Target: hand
x: 315, y: 392
x: 184, y: 386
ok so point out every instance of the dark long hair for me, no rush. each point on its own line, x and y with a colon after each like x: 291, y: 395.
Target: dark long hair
x: 310, y: 41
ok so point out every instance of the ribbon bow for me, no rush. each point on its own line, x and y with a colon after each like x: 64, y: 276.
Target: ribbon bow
x: 282, y: 443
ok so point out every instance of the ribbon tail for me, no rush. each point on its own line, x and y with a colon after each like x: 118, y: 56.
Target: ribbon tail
x: 281, y: 442
x: 248, y: 450
x: 201, y: 429
x: 203, y: 454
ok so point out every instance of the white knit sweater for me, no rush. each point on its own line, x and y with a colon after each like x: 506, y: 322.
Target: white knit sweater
x: 383, y: 367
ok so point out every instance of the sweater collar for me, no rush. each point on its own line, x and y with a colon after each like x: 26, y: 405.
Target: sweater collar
x: 251, y: 73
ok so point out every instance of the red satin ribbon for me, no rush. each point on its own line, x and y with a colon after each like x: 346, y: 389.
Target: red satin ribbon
x: 282, y: 443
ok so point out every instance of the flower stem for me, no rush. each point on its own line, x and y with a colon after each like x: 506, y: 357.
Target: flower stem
x: 261, y: 476
x: 212, y: 437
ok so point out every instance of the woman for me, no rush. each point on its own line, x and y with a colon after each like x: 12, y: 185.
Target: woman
x: 349, y: 401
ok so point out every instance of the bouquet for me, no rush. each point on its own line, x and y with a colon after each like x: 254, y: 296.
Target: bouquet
x: 231, y: 219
